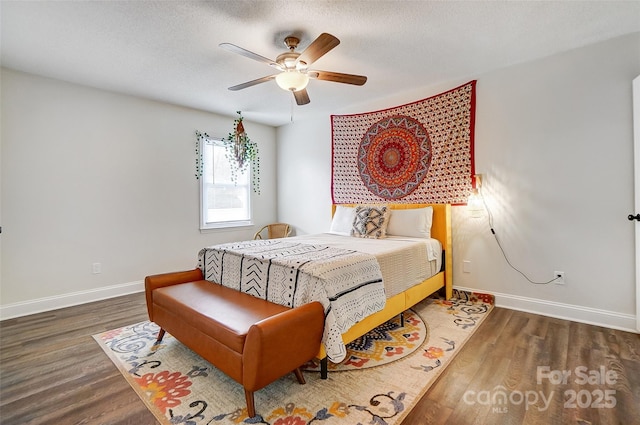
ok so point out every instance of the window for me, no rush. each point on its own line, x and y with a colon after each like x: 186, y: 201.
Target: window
x: 224, y: 203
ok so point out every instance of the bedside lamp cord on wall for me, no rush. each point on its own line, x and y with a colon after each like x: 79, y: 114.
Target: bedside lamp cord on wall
x: 490, y: 216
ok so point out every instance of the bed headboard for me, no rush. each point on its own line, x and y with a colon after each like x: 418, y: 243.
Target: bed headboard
x: 440, y: 229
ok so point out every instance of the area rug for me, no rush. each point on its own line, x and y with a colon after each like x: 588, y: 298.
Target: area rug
x: 387, y: 343
x: 179, y: 387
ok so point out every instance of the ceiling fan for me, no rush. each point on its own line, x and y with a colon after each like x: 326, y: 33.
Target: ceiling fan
x: 294, y: 67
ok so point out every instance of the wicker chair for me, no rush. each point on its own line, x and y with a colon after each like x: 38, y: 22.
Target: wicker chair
x: 275, y: 230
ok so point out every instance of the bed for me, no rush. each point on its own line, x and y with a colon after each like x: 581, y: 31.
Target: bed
x: 351, y: 276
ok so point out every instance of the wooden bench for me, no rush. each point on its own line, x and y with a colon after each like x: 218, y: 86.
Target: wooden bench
x: 252, y: 340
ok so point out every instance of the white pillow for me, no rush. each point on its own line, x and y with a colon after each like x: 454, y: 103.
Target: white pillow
x: 415, y: 223
x: 342, y: 222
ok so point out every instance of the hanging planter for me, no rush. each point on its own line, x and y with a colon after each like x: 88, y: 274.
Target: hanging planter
x: 240, y: 151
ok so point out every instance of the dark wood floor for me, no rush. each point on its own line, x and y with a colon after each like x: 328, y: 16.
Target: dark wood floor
x: 52, y: 372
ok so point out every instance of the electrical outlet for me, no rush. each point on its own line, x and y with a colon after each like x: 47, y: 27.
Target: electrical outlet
x: 466, y: 266
x: 96, y: 268
x: 559, y: 278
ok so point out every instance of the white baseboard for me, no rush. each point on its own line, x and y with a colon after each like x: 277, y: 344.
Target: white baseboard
x: 575, y: 313
x: 40, y: 305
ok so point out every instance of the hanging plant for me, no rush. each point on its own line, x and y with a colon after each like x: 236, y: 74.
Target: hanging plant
x: 200, y: 137
x: 240, y: 151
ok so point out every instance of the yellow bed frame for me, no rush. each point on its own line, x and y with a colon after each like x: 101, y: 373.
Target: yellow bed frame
x: 441, y: 230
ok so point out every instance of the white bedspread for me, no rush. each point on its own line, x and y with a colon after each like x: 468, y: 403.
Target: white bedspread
x: 404, y: 261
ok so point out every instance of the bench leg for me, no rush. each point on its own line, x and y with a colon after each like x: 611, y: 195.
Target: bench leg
x: 402, y: 319
x: 299, y: 375
x: 248, y: 395
x: 251, y: 407
x: 160, y: 335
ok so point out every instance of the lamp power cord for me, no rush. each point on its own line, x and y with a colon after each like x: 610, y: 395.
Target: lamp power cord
x: 495, y: 235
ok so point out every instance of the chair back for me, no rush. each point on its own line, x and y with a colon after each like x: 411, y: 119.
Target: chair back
x: 274, y: 231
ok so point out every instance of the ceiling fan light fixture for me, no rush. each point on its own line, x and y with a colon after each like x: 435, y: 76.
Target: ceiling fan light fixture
x: 294, y: 67
x: 292, y: 80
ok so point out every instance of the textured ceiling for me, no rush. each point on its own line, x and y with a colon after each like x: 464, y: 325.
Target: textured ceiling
x: 168, y: 50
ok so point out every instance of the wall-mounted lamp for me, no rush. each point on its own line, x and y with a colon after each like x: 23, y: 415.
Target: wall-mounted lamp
x: 475, y: 204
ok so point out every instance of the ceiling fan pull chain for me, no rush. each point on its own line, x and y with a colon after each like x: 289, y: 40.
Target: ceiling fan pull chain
x: 291, y: 101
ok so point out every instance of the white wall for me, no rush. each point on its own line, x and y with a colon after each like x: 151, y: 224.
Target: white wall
x: 554, y: 143
x: 90, y: 176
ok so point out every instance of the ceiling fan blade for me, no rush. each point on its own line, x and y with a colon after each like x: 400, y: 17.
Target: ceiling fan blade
x: 338, y: 77
x: 302, y: 97
x: 318, y: 48
x: 252, y: 83
x: 246, y: 53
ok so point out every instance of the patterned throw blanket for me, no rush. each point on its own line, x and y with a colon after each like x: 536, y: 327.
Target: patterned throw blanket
x: 347, y: 283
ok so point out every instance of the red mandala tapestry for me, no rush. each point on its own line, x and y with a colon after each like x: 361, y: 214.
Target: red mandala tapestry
x: 421, y: 152
x: 394, y: 157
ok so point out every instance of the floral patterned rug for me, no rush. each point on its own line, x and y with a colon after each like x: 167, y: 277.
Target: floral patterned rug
x: 387, y: 343
x: 179, y: 387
